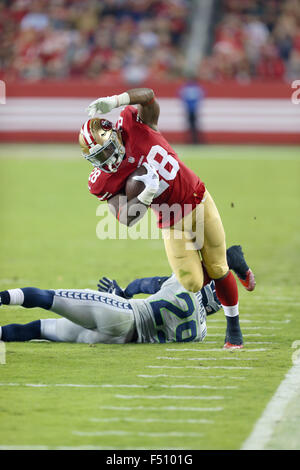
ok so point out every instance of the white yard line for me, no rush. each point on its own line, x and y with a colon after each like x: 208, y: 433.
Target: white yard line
x: 274, y: 412
x: 244, y: 321
x: 245, y: 335
x: 199, y: 367
x: 272, y: 303
x: 205, y: 358
x: 150, y: 420
x: 167, y: 397
x: 184, y: 386
x: 117, y: 432
x: 217, y: 350
x: 246, y: 328
x: 153, y: 376
x: 39, y: 385
x: 208, y: 387
x: 160, y: 408
x: 275, y: 297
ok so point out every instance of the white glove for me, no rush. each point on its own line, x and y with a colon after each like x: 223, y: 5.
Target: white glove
x: 106, y: 104
x: 151, y: 182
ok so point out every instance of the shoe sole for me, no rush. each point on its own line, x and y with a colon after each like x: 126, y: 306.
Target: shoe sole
x: 250, y: 282
x: 233, y: 346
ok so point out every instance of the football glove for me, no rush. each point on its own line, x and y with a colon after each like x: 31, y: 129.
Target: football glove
x: 111, y: 286
x: 106, y: 104
x: 151, y: 182
x: 210, y: 300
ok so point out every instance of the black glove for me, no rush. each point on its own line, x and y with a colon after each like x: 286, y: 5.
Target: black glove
x: 110, y: 286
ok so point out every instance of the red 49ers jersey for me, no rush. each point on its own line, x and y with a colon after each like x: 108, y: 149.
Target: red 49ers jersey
x: 179, y: 186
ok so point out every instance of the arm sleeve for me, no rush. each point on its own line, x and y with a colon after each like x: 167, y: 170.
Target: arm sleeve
x: 146, y: 285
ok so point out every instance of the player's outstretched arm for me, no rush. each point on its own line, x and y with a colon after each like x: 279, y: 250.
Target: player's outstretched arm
x: 145, y: 285
x: 148, y: 107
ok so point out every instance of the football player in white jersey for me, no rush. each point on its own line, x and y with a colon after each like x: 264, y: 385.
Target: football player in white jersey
x: 111, y: 315
x: 172, y: 314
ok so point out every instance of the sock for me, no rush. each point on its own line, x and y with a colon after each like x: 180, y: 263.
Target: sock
x: 232, y: 318
x: 16, y: 296
x: 12, y: 297
x: 234, y: 329
x: 227, y: 291
x: 231, y: 311
x: 15, y: 332
x: 5, y: 297
x: 28, y: 297
x: 34, y: 297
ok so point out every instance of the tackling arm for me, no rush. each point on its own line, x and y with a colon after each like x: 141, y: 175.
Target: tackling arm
x: 145, y: 285
x: 151, y: 285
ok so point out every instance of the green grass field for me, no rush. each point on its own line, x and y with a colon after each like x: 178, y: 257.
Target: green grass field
x: 164, y: 396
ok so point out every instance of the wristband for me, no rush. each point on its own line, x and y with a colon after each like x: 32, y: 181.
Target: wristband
x: 123, y: 99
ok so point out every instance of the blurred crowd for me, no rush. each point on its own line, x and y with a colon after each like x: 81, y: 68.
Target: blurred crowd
x: 255, y: 39
x: 92, y: 39
x: 139, y: 39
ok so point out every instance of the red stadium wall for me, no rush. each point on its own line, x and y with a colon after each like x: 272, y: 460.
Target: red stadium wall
x: 51, y: 111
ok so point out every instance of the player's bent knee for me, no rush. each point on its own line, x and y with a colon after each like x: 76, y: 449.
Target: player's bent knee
x: 190, y: 283
x: 217, y: 271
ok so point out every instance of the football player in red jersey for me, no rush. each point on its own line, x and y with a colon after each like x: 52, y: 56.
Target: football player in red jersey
x: 192, y: 228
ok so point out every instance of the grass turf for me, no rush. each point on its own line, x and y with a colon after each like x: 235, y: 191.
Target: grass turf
x: 48, y: 240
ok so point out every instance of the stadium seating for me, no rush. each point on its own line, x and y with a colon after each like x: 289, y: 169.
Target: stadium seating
x: 144, y: 40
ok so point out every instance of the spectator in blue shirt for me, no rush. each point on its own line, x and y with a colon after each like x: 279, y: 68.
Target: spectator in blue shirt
x: 192, y: 95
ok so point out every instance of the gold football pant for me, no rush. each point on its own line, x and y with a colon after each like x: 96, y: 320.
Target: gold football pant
x: 200, y: 234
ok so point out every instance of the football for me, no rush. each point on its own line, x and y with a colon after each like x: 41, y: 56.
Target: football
x: 132, y: 187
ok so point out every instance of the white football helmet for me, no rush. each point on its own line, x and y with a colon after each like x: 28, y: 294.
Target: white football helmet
x: 101, y: 144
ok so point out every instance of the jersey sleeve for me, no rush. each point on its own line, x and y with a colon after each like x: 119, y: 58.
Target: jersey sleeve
x: 146, y: 285
x: 98, y: 185
x: 127, y: 119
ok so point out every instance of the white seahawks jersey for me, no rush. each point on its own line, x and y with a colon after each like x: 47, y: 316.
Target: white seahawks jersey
x: 172, y: 314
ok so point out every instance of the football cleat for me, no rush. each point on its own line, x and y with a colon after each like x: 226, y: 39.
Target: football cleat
x: 249, y: 283
x: 228, y: 345
x: 236, y: 262
x: 233, y: 338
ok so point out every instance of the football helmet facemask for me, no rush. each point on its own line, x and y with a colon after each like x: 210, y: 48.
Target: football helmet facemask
x: 101, y: 144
